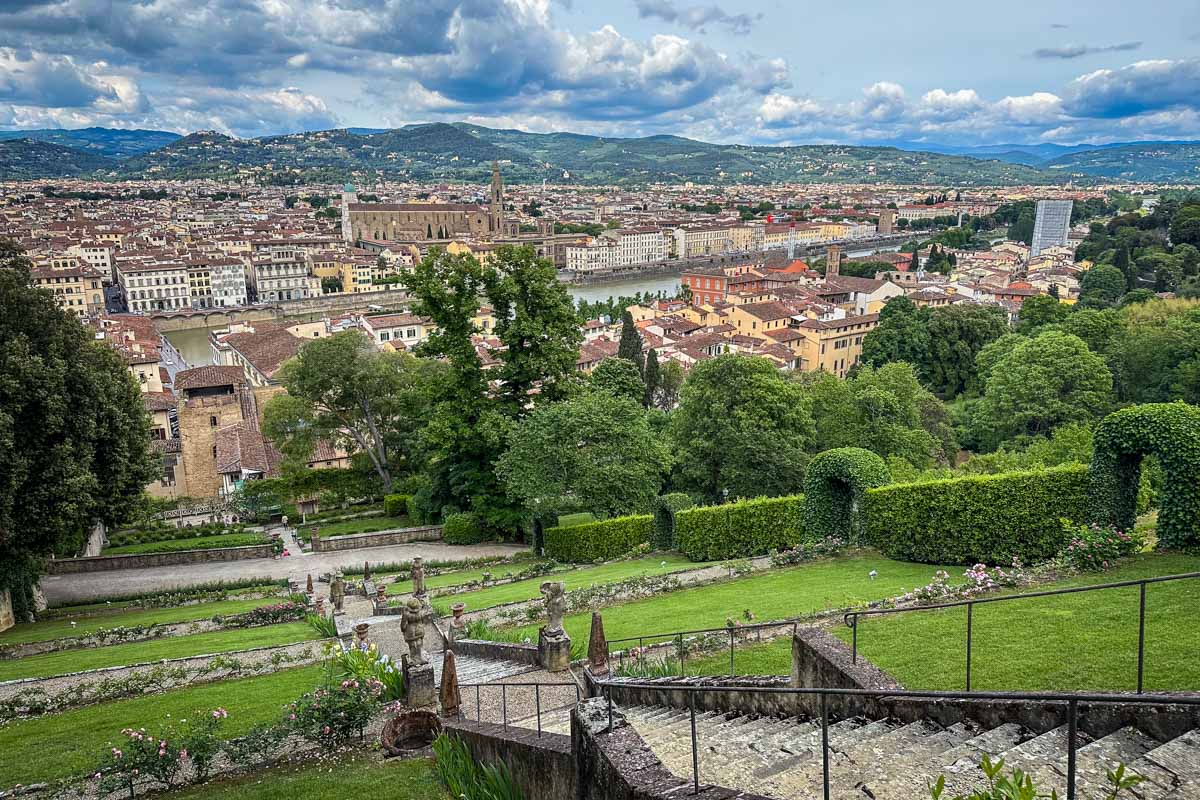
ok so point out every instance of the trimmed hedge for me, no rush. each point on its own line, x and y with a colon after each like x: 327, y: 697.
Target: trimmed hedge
x: 605, y: 539
x: 463, y: 529
x: 833, y: 487
x: 741, y: 529
x: 980, y: 518
x: 1170, y: 431
x: 665, y: 508
x: 396, y: 505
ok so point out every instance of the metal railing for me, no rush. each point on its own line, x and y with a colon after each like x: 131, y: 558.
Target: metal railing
x: 1071, y: 699
x: 851, y: 618
x: 537, y: 695
x: 676, y: 638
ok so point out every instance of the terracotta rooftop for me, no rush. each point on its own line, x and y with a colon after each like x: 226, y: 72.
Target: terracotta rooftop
x: 209, y: 375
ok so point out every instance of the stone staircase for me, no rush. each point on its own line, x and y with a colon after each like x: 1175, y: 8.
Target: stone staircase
x: 478, y: 670
x: 887, y: 759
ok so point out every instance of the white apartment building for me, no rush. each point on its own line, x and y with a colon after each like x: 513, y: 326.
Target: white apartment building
x: 704, y: 240
x: 284, y: 273
x: 620, y: 248
x: 228, y: 276
x: 94, y: 254
x: 153, y: 286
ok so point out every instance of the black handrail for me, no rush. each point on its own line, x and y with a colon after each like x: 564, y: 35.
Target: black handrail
x: 677, y: 637
x: 1072, y: 699
x: 537, y: 694
x: 850, y: 618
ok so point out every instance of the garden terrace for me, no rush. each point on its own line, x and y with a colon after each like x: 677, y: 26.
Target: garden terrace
x: 211, y: 542
x: 351, y: 526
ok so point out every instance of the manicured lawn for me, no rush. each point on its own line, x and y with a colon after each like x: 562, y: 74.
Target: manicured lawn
x: 574, y: 579
x: 155, y: 649
x: 349, y: 526
x: 1078, y: 641
x: 192, y: 543
x: 1084, y: 641
x: 777, y: 594
x: 58, y: 628
x: 355, y: 776
x: 72, y: 743
x: 460, y: 577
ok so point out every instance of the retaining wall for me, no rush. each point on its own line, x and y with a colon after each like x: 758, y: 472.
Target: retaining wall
x: 542, y: 766
x: 353, y: 541
x: 72, y: 566
x: 498, y: 651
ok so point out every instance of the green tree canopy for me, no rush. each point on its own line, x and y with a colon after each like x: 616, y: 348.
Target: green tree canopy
x: 742, y: 427
x: 620, y: 377
x: 956, y: 335
x: 595, y: 449
x: 901, y: 335
x: 74, y: 434
x: 1101, y: 287
x: 630, y: 345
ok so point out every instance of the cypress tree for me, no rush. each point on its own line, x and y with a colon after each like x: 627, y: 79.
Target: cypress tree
x: 630, y: 346
x: 653, y: 378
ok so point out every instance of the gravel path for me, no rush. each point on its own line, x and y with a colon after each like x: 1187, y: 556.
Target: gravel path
x: 84, y: 587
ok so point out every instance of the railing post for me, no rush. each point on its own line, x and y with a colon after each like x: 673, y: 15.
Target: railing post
x: 695, y: 748
x: 537, y: 699
x: 1141, y: 636
x: 682, y: 671
x: 608, y: 697
x: 731, y: 669
x: 1072, y: 733
x: 825, y: 744
x: 970, y: 620
x: 504, y: 705
x: 478, y: 713
x: 854, y: 639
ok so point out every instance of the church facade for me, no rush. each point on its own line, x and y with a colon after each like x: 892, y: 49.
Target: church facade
x: 422, y: 222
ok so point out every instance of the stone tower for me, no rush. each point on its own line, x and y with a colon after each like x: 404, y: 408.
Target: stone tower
x: 496, y: 201
x: 348, y: 196
x: 833, y: 261
x: 887, y: 221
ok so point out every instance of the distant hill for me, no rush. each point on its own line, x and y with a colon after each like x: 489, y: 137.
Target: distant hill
x: 110, y: 142
x: 24, y: 159
x: 464, y: 152
x: 1161, y: 162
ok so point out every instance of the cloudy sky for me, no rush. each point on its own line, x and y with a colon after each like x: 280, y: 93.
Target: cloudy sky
x: 748, y: 71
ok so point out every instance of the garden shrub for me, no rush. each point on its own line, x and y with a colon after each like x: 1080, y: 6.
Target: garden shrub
x: 464, y: 528
x: 979, y: 518
x: 605, y: 539
x: 833, y: 491
x: 396, y: 505
x: 1095, y: 548
x: 1170, y: 432
x: 741, y: 529
x: 665, y: 508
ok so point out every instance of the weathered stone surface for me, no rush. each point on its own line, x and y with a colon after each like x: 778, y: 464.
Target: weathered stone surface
x: 554, y: 651
x: 419, y: 687
x: 597, y: 647
x: 448, y: 694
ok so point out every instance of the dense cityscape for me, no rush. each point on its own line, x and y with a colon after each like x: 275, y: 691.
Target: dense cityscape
x: 480, y: 403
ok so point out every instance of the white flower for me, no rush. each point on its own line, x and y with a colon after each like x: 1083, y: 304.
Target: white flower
x: 872, y: 574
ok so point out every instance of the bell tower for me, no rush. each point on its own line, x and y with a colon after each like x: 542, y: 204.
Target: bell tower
x: 496, y: 201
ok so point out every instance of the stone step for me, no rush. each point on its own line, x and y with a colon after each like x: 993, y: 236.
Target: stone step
x: 1172, y: 769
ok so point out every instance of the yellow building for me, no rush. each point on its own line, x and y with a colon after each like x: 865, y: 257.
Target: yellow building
x: 835, y: 345
x: 76, y: 287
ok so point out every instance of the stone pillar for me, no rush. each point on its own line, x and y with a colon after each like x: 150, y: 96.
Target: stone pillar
x: 598, y: 647
x: 308, y: 587
x: 419, y: 690
x: 554, y: 652
x: 448, y: 693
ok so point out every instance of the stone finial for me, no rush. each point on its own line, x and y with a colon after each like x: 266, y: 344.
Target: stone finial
x: 366, y: 570
x: 381, y: 594
x: 458, y: 626
x: 448, y: 693
x: 308, y: 587
x: 360, y: 630
x: 597, y: 646
x: 320, y: 606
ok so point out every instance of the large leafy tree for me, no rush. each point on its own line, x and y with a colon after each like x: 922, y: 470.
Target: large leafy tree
x: 74, y: 434
x: 1039, y: 311
x: 900, y: 336
x: 1101, y: 287
x: 741, y: 427
x: 618, y: 376
x: 956, y: 335
x: 470, y: 421
x: 595, y: 450
x: 1045, y: 382
x: 342, y: 390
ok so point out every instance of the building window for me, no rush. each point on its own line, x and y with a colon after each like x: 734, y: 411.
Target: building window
x: 212, y: 421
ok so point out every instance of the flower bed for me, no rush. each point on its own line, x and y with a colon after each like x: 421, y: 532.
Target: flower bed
x: 195, y: 542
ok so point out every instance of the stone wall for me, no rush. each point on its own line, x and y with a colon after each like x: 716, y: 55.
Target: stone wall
x: 72, y: 566
x: 501, y: 651
x: 542, y: 766
x: 353, y: 541
x: 6, y: 610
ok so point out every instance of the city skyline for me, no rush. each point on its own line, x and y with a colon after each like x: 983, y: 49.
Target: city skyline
x: 757, y: 74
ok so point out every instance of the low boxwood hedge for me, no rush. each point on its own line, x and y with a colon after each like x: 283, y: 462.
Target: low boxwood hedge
x: 464, y: 529
x: 741, y: 529
x: 395, y: 505
x: 979, y: 518
x: 609, y: 538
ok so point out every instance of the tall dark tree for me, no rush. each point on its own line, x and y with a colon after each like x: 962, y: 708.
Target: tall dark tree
x: 630, y: 345
x: 74, y: 434
x: 653, y: 378
x: 956, y: 335
x: 1123, y: 262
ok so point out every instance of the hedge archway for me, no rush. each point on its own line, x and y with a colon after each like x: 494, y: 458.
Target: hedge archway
x: 665, y: 507
x: 1169, y: 431
x: 833, y: 491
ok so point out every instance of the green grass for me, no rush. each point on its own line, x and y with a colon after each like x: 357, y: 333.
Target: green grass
x: 192, y: 543
x: 1085, y: 641
x: 354, y: 776
x: 777, y: 594
x: 1020, y: 646
x: 155, y: 650
x: 364, y: 525
x: 459, y: 577
x: 72, y: 743
x: 60, y: 627
x: 574, y: 579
